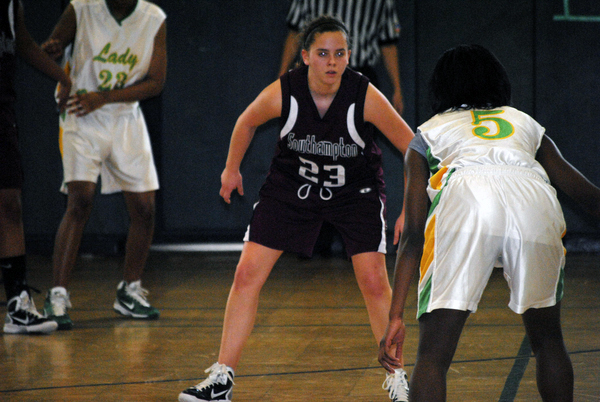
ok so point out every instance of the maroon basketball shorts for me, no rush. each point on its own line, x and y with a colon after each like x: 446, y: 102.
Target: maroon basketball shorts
x: 291, y: 220
x: 11, y: 168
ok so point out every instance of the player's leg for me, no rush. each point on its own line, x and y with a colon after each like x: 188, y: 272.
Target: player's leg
x: 141, y: 208
x: 439, y: 332
x: 80, y: 200
x: 554, y: 368
x: 372, y: 277
x: 253, y: 269
x: 66, y: 247
x: 131, y: 298
x: 373, y: 282
x: 12, y: 239
x: 12, y: 242
x: 21, y: 316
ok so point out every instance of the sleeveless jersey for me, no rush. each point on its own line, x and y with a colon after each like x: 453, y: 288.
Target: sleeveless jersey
x: 8, y: 58
x: 111, y: 55
x: 460, y: 138
x: 336, y: 152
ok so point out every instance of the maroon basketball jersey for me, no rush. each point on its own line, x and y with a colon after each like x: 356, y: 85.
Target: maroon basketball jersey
x: 335, y: 153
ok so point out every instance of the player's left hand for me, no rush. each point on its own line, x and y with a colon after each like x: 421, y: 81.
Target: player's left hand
x: 83, y: 104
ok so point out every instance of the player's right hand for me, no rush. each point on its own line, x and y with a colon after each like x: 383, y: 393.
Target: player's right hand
x: 230, y: 180
x: 54, y: 48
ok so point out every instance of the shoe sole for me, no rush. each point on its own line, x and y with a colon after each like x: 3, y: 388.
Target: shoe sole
x: 128, y: 313
x: 62, y: 324
x: 65, y: 326
x: 190, y: 398
x: 44, y: 328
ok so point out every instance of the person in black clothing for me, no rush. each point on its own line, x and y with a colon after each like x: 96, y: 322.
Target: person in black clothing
x: 15, y: 40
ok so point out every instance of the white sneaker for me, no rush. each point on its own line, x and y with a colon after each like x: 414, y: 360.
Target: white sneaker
x: 217, y: 387
x: 397, y: 385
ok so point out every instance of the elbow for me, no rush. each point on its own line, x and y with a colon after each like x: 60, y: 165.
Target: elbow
x: 155, y: 88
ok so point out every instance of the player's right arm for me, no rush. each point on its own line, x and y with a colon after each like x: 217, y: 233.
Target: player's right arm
x: 265, y: 107
x: 410, y: 251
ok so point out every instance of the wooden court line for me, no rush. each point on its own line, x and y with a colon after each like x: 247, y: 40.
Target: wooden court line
x: 511, y: 386
x: 518, y: 357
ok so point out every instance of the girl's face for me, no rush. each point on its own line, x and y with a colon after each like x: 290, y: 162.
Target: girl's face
x: 327, y: 57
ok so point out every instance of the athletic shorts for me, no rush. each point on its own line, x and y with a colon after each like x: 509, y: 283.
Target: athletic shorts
x: 115, y: 147
x: 11, y: 168
x: 503, y: 216
x: 291, y: 220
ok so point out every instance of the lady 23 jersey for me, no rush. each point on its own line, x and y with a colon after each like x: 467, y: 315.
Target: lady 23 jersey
x: 110, y: 55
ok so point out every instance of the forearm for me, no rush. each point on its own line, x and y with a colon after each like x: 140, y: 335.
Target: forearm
x: 142, y: 90
x: 240, y: 141
x: 392, y: 65
x: 290, y: 49
x: 407, y: 264
x: 33, y: 55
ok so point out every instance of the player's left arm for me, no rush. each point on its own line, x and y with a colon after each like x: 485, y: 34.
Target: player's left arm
x: 380, y: 112
x: 150, y: 86
x: 567, y: 178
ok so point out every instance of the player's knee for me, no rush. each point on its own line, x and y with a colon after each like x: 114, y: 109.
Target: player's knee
x: 11, y: 211
x: 144, y: 212
x: 373, y: 285
x: 246, y: 277
x: 79, y: 207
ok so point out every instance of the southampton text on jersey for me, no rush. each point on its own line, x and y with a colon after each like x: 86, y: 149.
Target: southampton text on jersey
x: 322, y: 148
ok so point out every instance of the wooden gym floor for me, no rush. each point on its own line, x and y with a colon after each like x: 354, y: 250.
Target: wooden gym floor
x: 312, y: 340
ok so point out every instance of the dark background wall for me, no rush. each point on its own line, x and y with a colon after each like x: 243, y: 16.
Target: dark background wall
x: 222, y: 53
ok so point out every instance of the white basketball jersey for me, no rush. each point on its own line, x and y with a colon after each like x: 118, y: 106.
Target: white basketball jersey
x: 502, y: 136
x: 107, y: 54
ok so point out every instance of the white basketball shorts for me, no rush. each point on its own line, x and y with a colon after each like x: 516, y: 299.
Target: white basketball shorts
x: 115, y: 147
x: 487, y: 216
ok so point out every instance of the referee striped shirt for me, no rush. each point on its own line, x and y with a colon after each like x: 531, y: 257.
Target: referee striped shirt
x: 371, y: 23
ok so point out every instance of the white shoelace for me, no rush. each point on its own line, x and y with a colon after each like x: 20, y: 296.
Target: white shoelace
x: 396, y: 384
x: 26, y: 303
x: 137, y: 292
x: 218, y: 373
x: 60, y: 303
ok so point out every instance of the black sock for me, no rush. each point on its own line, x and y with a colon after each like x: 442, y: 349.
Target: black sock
x: 14, y: 273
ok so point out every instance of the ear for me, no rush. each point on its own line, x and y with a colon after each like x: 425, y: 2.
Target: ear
x: 305, y: 56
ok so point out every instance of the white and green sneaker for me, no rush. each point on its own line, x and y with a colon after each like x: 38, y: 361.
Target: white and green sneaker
x: 131, y: 301
x: 56, y: 305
